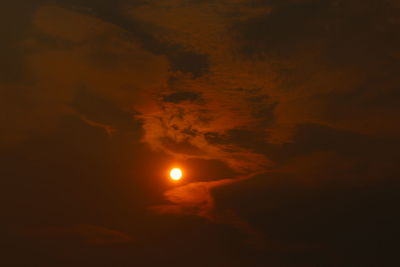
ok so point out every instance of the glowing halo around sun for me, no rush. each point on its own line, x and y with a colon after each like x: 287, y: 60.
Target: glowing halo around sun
x: 175, y: 174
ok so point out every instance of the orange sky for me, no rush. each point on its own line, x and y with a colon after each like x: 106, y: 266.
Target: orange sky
x: 283, y: 116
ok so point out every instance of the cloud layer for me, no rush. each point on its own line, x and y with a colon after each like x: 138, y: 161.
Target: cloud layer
x: 283, y: 113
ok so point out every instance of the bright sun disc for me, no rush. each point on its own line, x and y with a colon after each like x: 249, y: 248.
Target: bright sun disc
x: 175, y: 174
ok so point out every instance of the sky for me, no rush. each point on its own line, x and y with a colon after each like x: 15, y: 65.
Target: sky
x: 282, y: 114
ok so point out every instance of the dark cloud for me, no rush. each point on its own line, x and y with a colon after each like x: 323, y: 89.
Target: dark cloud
x: 195, y: 199
x: 101, y: 111
x: 345, y: 30
x: 282, y: 114
x: 12, y: 67
x: 196, y: 64
x: 337, y: 56
x: 77, y: 235
x: 332, y: 224
x: 183, y: 147
x: 179, y: 57
x: 182, y: 96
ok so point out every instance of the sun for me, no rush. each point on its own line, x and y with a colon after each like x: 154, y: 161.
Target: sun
x: 175, y: 174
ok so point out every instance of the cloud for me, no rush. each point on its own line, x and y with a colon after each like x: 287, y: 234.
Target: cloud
x: 192, y: 199
x: 332, y: 59
x: 69, y: 52
x: 196, y: 199
x: 294, y: 89
x: 84, y: 234
x: 251, y: 79
x: 297, y: 56
x: 71, y: 26
x: 289, y: 83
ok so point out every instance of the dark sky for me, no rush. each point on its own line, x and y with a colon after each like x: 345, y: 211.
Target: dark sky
x: 283, y: 114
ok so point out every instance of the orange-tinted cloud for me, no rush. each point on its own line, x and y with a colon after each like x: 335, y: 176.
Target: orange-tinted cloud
x: 196, y: 199
x: 298, y: 76
x: 304, y: 92
x: 250, y: 81
x: 69, y: 52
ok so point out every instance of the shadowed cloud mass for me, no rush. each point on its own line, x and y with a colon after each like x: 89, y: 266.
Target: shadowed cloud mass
x: 283, y: 115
